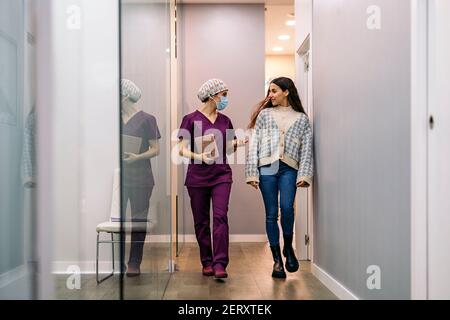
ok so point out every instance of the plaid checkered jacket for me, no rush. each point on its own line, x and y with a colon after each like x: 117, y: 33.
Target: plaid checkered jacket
x: 268, y: 144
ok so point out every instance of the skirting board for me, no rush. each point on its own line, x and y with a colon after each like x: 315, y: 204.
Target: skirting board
x: 190, y: 238
x: 88, y: 267
x: 335, y: 286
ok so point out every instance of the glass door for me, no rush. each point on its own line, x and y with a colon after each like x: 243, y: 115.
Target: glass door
x: 145, y: 148
x: 78, y: 148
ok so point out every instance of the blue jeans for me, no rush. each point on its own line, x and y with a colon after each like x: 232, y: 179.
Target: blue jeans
x: 273, y: 179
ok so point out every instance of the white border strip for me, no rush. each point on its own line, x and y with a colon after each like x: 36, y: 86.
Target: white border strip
x: 86, y: 267
x: 335, y: 286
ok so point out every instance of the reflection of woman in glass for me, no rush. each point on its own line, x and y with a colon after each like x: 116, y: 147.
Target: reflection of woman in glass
x: 138, y: 181
x: 279, y: 161
x: 209, y: 175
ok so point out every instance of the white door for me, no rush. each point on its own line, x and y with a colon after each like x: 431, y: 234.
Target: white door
x: 439, y: 151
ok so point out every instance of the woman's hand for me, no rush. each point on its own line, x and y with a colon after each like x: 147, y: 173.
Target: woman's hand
x: 254, y: 184
x: 131, y: 158
x: 207, y: 157
x: 302, y: 184
x: 240, y: 143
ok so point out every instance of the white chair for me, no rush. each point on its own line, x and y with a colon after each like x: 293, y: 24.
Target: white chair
x: 114, y: 226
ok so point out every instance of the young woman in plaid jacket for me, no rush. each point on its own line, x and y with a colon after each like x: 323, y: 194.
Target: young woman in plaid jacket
x: 280, y: 160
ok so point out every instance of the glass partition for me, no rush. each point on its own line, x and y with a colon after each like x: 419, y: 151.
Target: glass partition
x: 145, y: 156
x: 85, y: 122
x: 18, y: 181
x: 79, y: 105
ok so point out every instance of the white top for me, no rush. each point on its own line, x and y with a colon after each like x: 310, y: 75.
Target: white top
x: 285, y: 117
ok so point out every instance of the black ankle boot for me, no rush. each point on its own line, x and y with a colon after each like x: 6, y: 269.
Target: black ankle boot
x: 288, y: 252
x: 278, y: 269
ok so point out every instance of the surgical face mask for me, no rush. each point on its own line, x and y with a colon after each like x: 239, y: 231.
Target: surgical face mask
x: 222, y: 104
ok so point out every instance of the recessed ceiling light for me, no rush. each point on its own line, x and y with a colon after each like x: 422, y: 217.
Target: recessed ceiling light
x: 284, y: 37
x: 290, y: 23
x: 277, y: 49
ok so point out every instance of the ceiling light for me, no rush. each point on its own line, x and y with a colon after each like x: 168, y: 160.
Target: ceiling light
x: 284, y: 37
x: 277, y: 49
x: 290, y: 23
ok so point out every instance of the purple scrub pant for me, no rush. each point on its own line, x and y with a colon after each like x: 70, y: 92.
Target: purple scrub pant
x: 139, y: 201
x: 215, y: 255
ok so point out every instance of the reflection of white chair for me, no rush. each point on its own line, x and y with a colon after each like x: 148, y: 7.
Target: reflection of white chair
x: 114, y: 225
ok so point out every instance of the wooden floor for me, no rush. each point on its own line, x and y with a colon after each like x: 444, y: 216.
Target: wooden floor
x: 249, y: 273
x: 249, y: 279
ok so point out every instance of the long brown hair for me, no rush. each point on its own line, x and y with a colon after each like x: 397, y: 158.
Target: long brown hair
x: 293, y: 99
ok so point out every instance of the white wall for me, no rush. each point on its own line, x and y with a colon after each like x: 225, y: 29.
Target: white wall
x: 227, y: 42
x: 362, y: 112
x: 303, y: 28
x: 439, y: 151
x: 303, y: 19
x: 280, y: 66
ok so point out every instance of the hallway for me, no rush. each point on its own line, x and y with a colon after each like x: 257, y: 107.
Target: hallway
x: 94, y: 99
x: 250, y: 268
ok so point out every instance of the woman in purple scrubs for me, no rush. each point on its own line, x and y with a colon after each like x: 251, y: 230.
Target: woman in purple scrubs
x: 138, y: 181
x: 209, y: 175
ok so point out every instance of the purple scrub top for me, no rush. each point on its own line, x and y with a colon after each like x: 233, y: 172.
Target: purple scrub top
x: 205, y: 175
x: 139, y: 174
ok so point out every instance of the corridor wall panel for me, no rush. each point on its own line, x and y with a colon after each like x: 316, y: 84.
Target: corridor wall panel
x: 362, y: 144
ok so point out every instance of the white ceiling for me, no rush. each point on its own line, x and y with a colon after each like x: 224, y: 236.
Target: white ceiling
x: 267, y: 2
x: 276, y: 17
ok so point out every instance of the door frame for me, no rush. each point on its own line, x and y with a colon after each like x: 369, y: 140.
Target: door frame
x: 419, y: 149
x: 305, y: 51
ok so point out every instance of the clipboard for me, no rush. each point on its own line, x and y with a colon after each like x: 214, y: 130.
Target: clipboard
x: 207, y: 143
x: 131, y: 144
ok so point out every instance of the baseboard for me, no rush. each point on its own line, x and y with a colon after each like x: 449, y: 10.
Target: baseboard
x: 88, y: 267
x: 335, y: 286
x: 190, y: 238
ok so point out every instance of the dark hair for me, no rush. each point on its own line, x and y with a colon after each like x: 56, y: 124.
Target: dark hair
x: 293, y: 98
